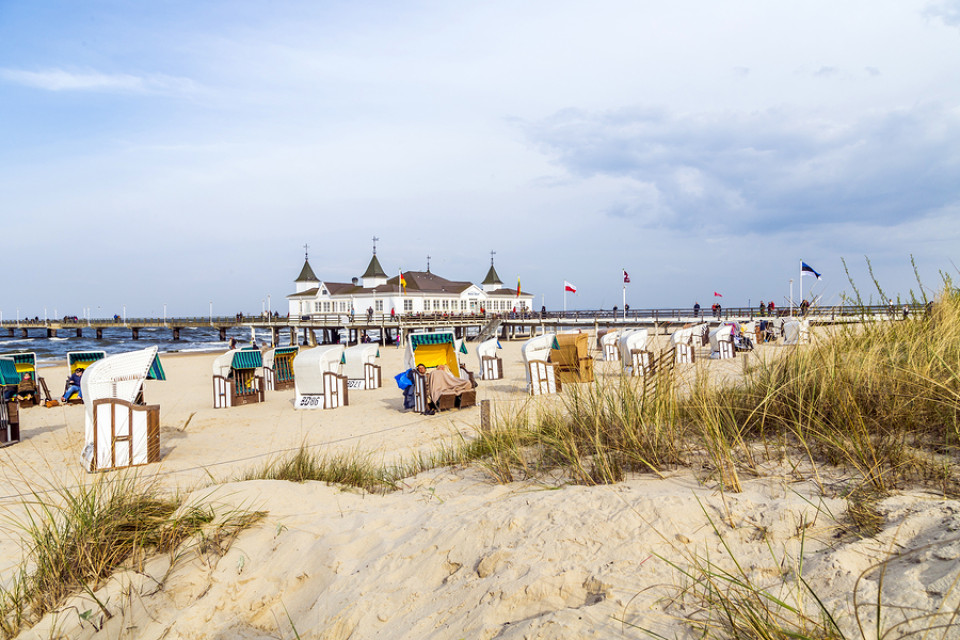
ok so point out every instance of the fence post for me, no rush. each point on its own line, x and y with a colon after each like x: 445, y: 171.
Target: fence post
x: 486, y: 421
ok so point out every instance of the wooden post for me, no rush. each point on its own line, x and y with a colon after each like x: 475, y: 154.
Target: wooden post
x: 79, y: 332
x: 176, y: 333
x: 745, y: 360
x: 99, y: 333
x: 136, y: 333
x: 486, y: 418
x: 223, y: 334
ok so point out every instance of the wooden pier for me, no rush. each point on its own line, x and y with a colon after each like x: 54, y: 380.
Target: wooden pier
x: 329, y: 328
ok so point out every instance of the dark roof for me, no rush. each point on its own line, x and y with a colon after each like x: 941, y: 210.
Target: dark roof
x: 507, y: 292
x: 426, y: 282
x: 492, y: 277
x: 307, y: 274
x: 308, y: 293
x: 374, y: 270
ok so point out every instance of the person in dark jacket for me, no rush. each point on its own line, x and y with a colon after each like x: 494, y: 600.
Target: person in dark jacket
x: 73, y: 386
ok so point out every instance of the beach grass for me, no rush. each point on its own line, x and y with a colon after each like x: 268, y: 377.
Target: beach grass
x: 882, y: 398
x: 77, y: 537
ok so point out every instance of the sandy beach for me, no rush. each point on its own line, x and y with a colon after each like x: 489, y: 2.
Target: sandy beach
x: 452, y: 554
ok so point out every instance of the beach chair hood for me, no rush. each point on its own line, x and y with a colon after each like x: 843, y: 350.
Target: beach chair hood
x: 119, y: 376
x: 537, y: 348
x: 630, y: 340
x: 355, y: 357
x: 432, y: 349
x: 311, y: 364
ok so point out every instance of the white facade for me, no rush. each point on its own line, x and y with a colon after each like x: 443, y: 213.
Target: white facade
x: 425, y: 293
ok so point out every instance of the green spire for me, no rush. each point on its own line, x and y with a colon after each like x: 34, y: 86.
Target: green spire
x: 374, y: 270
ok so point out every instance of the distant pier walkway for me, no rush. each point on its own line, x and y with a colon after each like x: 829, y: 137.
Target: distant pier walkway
x: 328, y: 328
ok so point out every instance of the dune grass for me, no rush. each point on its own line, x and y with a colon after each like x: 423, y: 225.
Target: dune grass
x: 77, y: 537
x: 882, y: 398
x: 351, y: 469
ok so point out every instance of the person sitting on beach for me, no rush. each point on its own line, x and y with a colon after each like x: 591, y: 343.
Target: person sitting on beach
x: 27, y: 388
x: 73, y: 386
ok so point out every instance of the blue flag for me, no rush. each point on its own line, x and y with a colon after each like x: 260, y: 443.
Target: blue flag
x: 807, y: 270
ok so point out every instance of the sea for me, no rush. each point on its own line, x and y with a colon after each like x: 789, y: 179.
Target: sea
x: 51, y: 351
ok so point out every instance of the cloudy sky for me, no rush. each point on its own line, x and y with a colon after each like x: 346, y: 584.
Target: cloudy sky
x: 182, y: 153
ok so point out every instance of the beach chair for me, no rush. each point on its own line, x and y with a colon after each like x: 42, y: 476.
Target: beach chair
x: 796, y: 331
x: 9, y: 411
x: 491, y: 365
x: 569, y: 353
x: 434, y: 349
x: 121, y: 430
x: 630, y: 341
x: 26, y: 362
x: 721, y: 341
x: 319, y: 383
x: 681, y: 341
x: 610, y: 345
x: 542, y: 375
x: 360, y: 366
x: 79, y: 360
x: 278, y: 373
x: 236, y: 380
x: 701, y: 335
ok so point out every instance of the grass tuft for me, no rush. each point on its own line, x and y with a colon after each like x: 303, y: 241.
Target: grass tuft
x: 77, y: 537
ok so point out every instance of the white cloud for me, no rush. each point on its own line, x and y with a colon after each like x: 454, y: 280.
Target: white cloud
x: 62, y: 80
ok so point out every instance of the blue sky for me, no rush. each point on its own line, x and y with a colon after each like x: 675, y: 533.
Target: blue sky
x: 181, y: 153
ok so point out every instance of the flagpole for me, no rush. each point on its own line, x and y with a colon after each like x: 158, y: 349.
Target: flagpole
x: 564, y: 298
x: 624, y: 294
x: 801, y: 283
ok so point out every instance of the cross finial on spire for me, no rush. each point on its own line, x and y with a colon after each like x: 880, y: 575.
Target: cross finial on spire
x: 306, y: 252
x: 492, y: 253
x: 428, y: 264
x: 375, y: 238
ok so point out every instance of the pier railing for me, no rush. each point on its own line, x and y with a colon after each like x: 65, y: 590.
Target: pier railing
x: 662, y: 314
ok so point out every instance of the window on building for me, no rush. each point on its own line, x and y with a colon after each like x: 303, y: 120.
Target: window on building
x: 378, y: 305
x: 446, y: 304
x: 407, y: 305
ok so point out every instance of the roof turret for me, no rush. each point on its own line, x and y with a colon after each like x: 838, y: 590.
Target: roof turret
x: 492, y: 277
x: 307, y: 274
x: 374, y: 270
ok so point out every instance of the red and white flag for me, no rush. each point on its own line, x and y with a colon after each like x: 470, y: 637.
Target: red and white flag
x: 569, y: 287
x: 626, y: 277
x: 717, y: 295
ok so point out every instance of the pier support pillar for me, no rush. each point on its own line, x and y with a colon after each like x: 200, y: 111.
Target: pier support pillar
x: 10, y: 334
x: 275, y: 335
x: 311, y: 337
x: 79, y: 333
x: 223, y: 334
x: 99, y: 333
x: 293, y: 336
x: 136, y: 333
x: 176, y: 333
x: 51, y: 333
x: 23, y: 333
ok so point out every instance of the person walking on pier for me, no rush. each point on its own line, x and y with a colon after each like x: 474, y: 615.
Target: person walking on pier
x: 696, y: 309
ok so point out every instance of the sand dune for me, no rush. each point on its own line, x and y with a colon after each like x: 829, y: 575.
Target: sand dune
x: 452, y: 554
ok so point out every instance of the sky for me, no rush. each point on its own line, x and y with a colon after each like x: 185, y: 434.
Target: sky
x: 179, y: 155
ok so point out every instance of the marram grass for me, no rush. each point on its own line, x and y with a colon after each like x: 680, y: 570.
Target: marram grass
x: 77, y: 537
